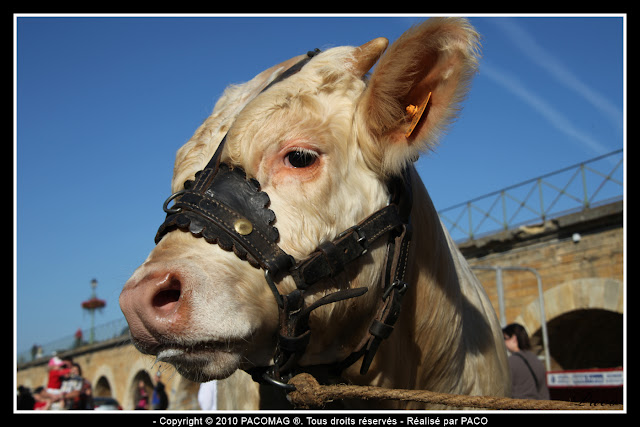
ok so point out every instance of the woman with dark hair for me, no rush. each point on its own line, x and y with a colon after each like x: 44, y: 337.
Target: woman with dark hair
x: 528, y: 374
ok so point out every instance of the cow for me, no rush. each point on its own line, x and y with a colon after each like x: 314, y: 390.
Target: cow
x: 323, y: 148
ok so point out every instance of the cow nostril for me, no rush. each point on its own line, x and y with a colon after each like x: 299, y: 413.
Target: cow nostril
x: 167, y: 297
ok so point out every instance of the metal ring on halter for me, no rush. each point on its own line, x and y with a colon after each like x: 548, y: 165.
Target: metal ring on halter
x: 400, y: 285
x: 274, y: 382
x: 169, y: 199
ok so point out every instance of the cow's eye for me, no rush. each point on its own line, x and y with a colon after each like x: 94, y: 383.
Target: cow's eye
x: 300, y: 158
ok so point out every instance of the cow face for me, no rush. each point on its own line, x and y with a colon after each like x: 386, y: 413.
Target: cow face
x: 322, y: 144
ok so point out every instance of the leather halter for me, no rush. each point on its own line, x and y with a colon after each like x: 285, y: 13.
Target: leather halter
x: 223, y: 206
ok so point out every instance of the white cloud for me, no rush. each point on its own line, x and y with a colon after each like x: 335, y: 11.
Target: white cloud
x: 552, y: 115
x: 545, y: 60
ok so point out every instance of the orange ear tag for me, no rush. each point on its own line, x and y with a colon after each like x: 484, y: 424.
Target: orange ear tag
x: 416, y: 114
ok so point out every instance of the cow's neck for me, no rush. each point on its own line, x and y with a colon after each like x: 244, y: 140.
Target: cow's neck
x: 419, y: 349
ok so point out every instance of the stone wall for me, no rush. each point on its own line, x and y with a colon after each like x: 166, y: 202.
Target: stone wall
x: 579, y: 257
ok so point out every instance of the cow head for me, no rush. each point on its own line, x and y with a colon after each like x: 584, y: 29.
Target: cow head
x: 322, y: 144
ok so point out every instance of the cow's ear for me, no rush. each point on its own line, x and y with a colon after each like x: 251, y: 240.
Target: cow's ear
x: 414, y: 91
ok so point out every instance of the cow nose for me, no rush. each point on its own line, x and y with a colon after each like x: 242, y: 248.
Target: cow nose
x: 154, y: 306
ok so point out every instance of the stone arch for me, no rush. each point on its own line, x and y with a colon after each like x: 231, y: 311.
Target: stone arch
x: 584, y: 322
x: 141, y: 376
x: 579, y: 294
x: 102, y: 381
x: 139, y: 369
x: 102, y: 388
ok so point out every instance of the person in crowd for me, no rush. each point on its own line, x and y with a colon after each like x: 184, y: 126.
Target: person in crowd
x: 25, y: 399
x: 528, y: 374
x: 76, y: 390
x: 36, y: 352
x: 58, y: 369
x: 159, y: 400
x: 208, y: 396
x: 141, y: 396
x: 42, y: 401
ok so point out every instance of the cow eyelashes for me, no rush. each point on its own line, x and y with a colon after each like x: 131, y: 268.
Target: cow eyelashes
x: 300, y: 158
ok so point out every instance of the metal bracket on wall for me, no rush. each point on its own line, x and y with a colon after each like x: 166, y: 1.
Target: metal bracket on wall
x: 501, y: 304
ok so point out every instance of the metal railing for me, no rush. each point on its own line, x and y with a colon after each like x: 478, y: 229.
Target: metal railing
x: 114, y: 329
x: 592, y: 183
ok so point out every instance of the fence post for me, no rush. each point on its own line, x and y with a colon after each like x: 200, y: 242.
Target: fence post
x: 584, y: 186
x: 542, y: 213
x: 470, y: 221
x: 505, y: 221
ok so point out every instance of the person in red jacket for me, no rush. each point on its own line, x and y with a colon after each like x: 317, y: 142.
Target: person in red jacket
x: 58, y: 369
x: 42, y: 402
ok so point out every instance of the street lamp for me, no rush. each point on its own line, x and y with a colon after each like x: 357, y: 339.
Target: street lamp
x: 93, y: 304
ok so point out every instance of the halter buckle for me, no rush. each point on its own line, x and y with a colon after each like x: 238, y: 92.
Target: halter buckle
x: 361, y: 238
x: 399, y: 285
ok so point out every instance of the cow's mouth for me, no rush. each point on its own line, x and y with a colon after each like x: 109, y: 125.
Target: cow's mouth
x: 203, y: 361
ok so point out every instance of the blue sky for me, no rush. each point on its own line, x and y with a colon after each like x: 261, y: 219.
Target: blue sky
x: 103, y: 103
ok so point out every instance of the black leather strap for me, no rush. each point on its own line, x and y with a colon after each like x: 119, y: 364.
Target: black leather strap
x: 331, y: 257
x: 382, y: 326
x: 294, y: 68
x: 215, y: 159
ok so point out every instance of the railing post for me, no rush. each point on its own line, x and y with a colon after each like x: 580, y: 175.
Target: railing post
x: 505, y: 221
x: 470, y: 221
x: 584, y: 186
x: 542, y: 213
x: 500, y: 289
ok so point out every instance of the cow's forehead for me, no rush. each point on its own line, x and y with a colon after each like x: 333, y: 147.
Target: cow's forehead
x: 244, y: 112
x: 319, y: 98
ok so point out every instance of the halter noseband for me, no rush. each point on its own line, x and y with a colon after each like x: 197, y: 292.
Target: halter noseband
x: 222, y: 206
